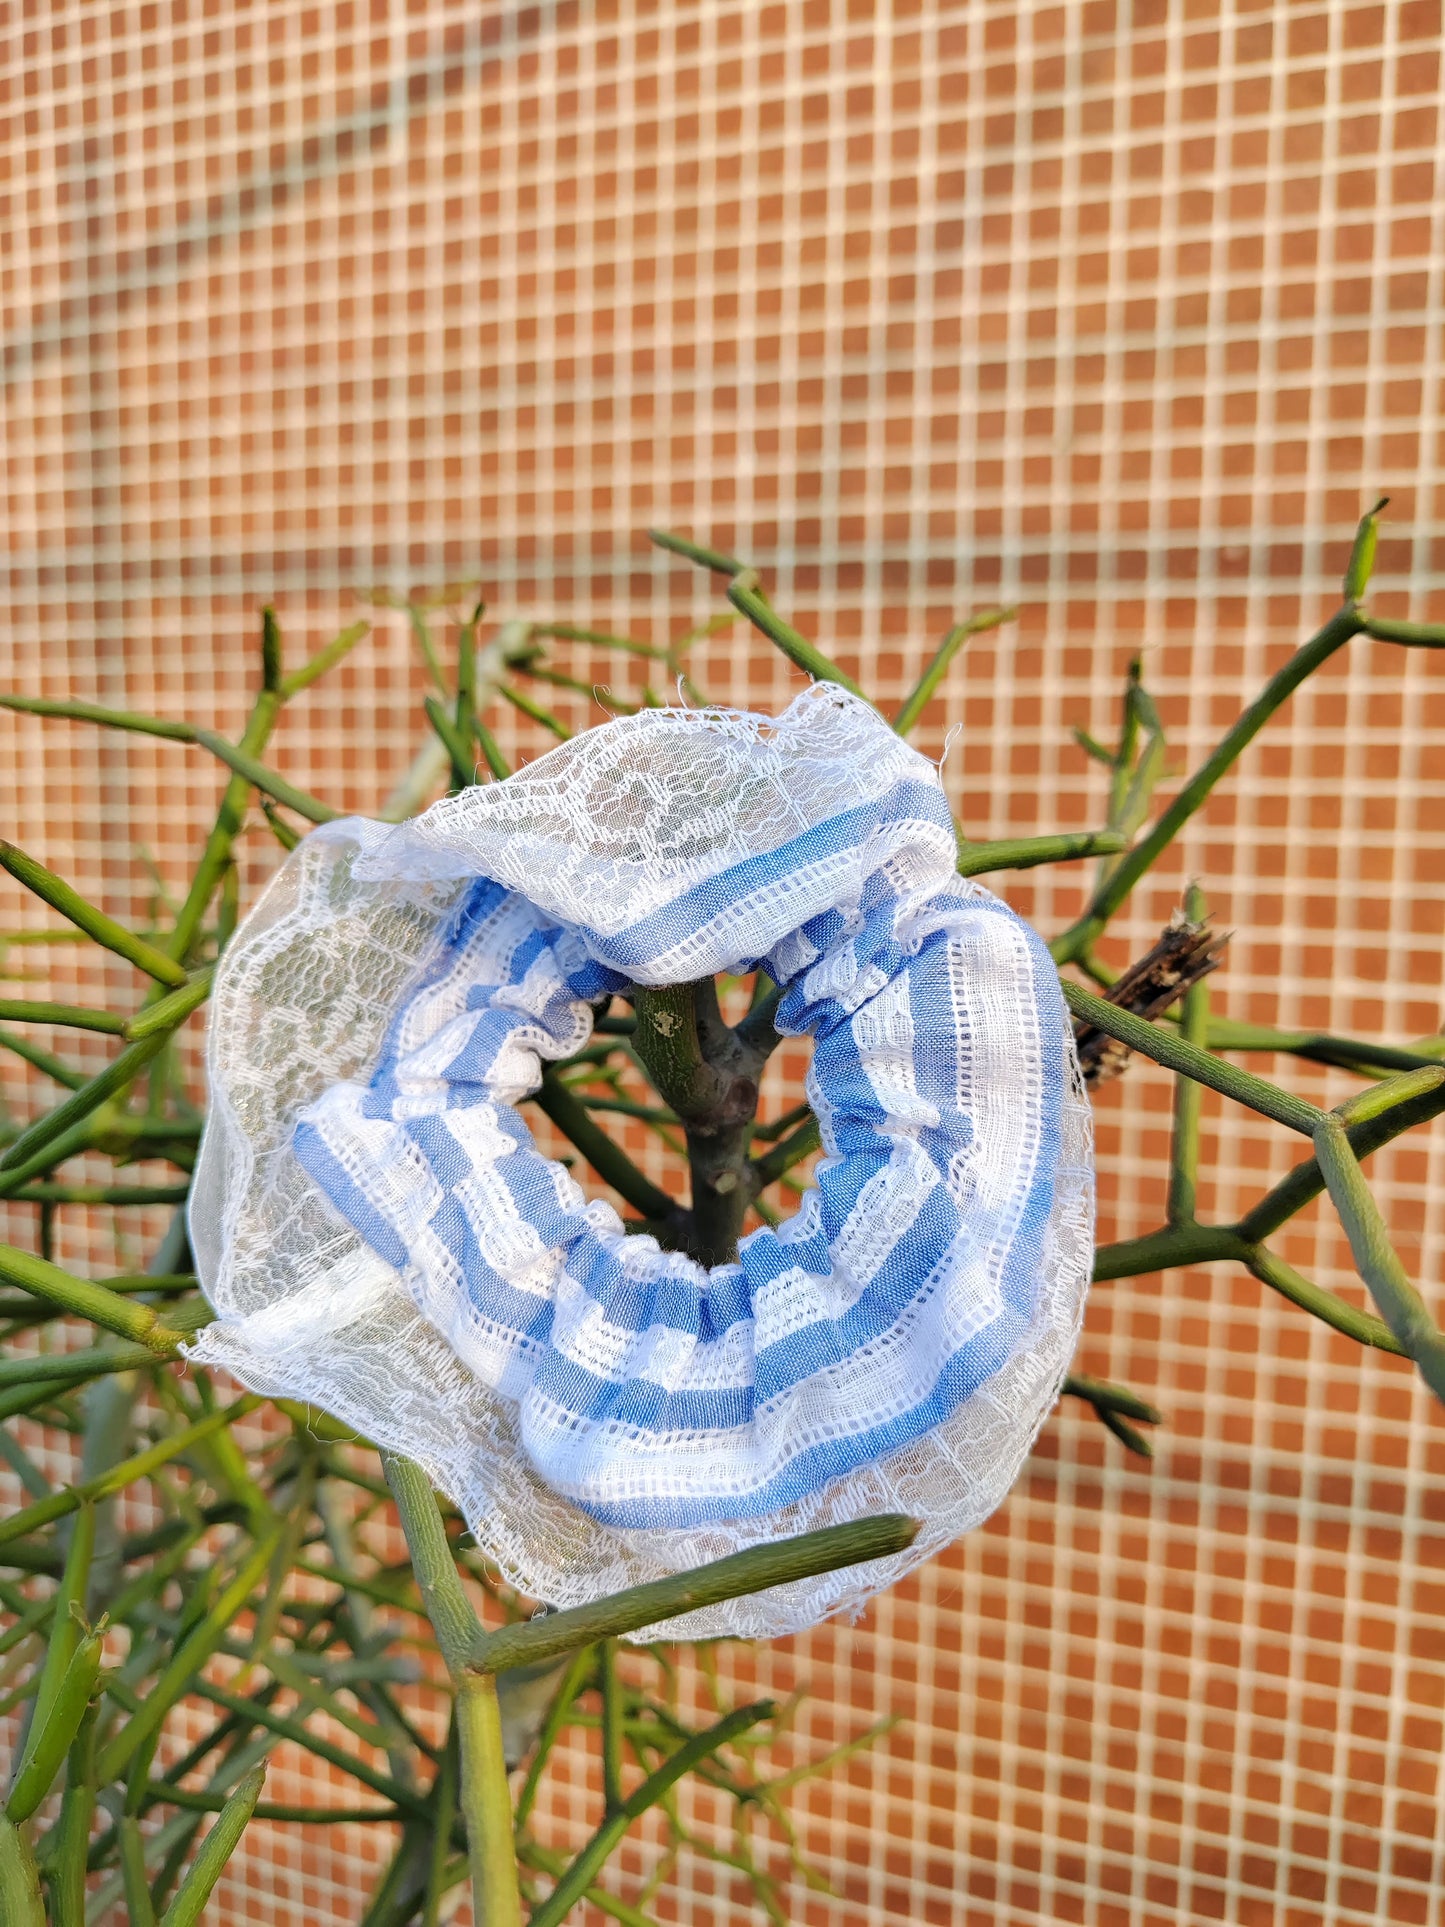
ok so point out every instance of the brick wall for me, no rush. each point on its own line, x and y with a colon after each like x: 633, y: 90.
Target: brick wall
x: 1120, y: 312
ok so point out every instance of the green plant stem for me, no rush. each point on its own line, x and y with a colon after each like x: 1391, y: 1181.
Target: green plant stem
x: 1409, y: 635
x: 1330, y: 1309
x: 294, y: 1523
x: 65, y: 1630
x: 746, y: 596
x: 196, y: 1800
x: 219, y: 1844
x: 486, y: 1803
x: 1376, y: 1259
x: 1134, y: 782
x: 917, y: 700
x: 1116, y: 1398
x: 271, y: 649
x: 444, y: 1813
x: 1188, y: 1093
x: 125, y: 1285
x: 691, y: 551
x: 44, y: 1061
x: 1027, y: 852
x: 82, y: 712
x: 168, y: 1013
x: 608, y: 1160
x: 229, y: 818
x: 256, y: 1710
x: 324, y: 660
x: 1175, y: 1053
x: 280, y: 828
x: 1361, y: 564
x: 394, y: 1899
x: 1379, y: 1100
x: 154, y: 1578
x: 579, y: 1876
x: 450, y: 736
x: 17, y: 1524
x: 118, y: 1195
x: 573, y: 1681
x: 496, y: 762
x: 355, y: 1582
x: 600, y: 639
x: 30, y: 1153
x: 612, y: 1711
x: 1132, y: 1440
x: 780, y: 1126
x: 131, y: 1846
x: 421, y: 630
x: 482, y: 1792
x: 455, y: 1624
x: 85, y: 1298
x: 519, y: 699
x: 1175, y: 1246
x: 1081, y: 936
x: 22, y: 1010
x: 817, y: 1769
x: 174, y: 1840
x: 53, y: 1730
x: 31, y: 1619
x: 122, y: 1135
x: 533, y: 1854
x: 317, y: 1684
x: 17, y: 1404
x: 1166, y: 1249
x: 72, y: 1830
x: 793, y: 1149
x: 255, y: 773
x: 1321, y: 1047
x: 95, y: 923
x: 755, y: 1570
x: 1411, y: 1105
x: 594, y: 692
x: 190, y: 1655
x: 58, y: 1134
x: 625, y: 1107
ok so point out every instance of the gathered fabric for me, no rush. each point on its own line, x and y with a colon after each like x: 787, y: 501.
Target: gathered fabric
x: 380, y: 1233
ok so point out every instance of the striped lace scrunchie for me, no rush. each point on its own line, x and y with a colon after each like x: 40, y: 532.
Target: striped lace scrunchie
x: 380, y: 1235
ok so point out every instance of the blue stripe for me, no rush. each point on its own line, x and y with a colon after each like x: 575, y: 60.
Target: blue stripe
x: 348, y: 1197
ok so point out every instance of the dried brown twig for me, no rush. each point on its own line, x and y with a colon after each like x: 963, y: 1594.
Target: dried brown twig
x: 1185, y: 954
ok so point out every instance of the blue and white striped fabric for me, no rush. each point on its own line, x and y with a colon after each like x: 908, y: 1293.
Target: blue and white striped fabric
x: 380, y: 1236
x: 652, y: 1394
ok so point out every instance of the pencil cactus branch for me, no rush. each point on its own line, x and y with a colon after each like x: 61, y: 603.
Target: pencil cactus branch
x: 918, y: 697
x: 483, y: 1795
x: 1116, y: 887
x: 102, y: 929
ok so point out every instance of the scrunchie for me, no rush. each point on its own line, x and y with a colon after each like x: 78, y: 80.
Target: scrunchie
x: 380, y: 1235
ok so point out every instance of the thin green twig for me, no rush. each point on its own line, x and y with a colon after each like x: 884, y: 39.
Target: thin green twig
x: 918, y: 698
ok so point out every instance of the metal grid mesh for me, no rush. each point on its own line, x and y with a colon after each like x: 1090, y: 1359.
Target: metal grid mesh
x: 1119, y: 311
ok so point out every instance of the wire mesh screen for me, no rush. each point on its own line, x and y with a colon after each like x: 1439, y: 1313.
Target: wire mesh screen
x: 1119, y: 312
